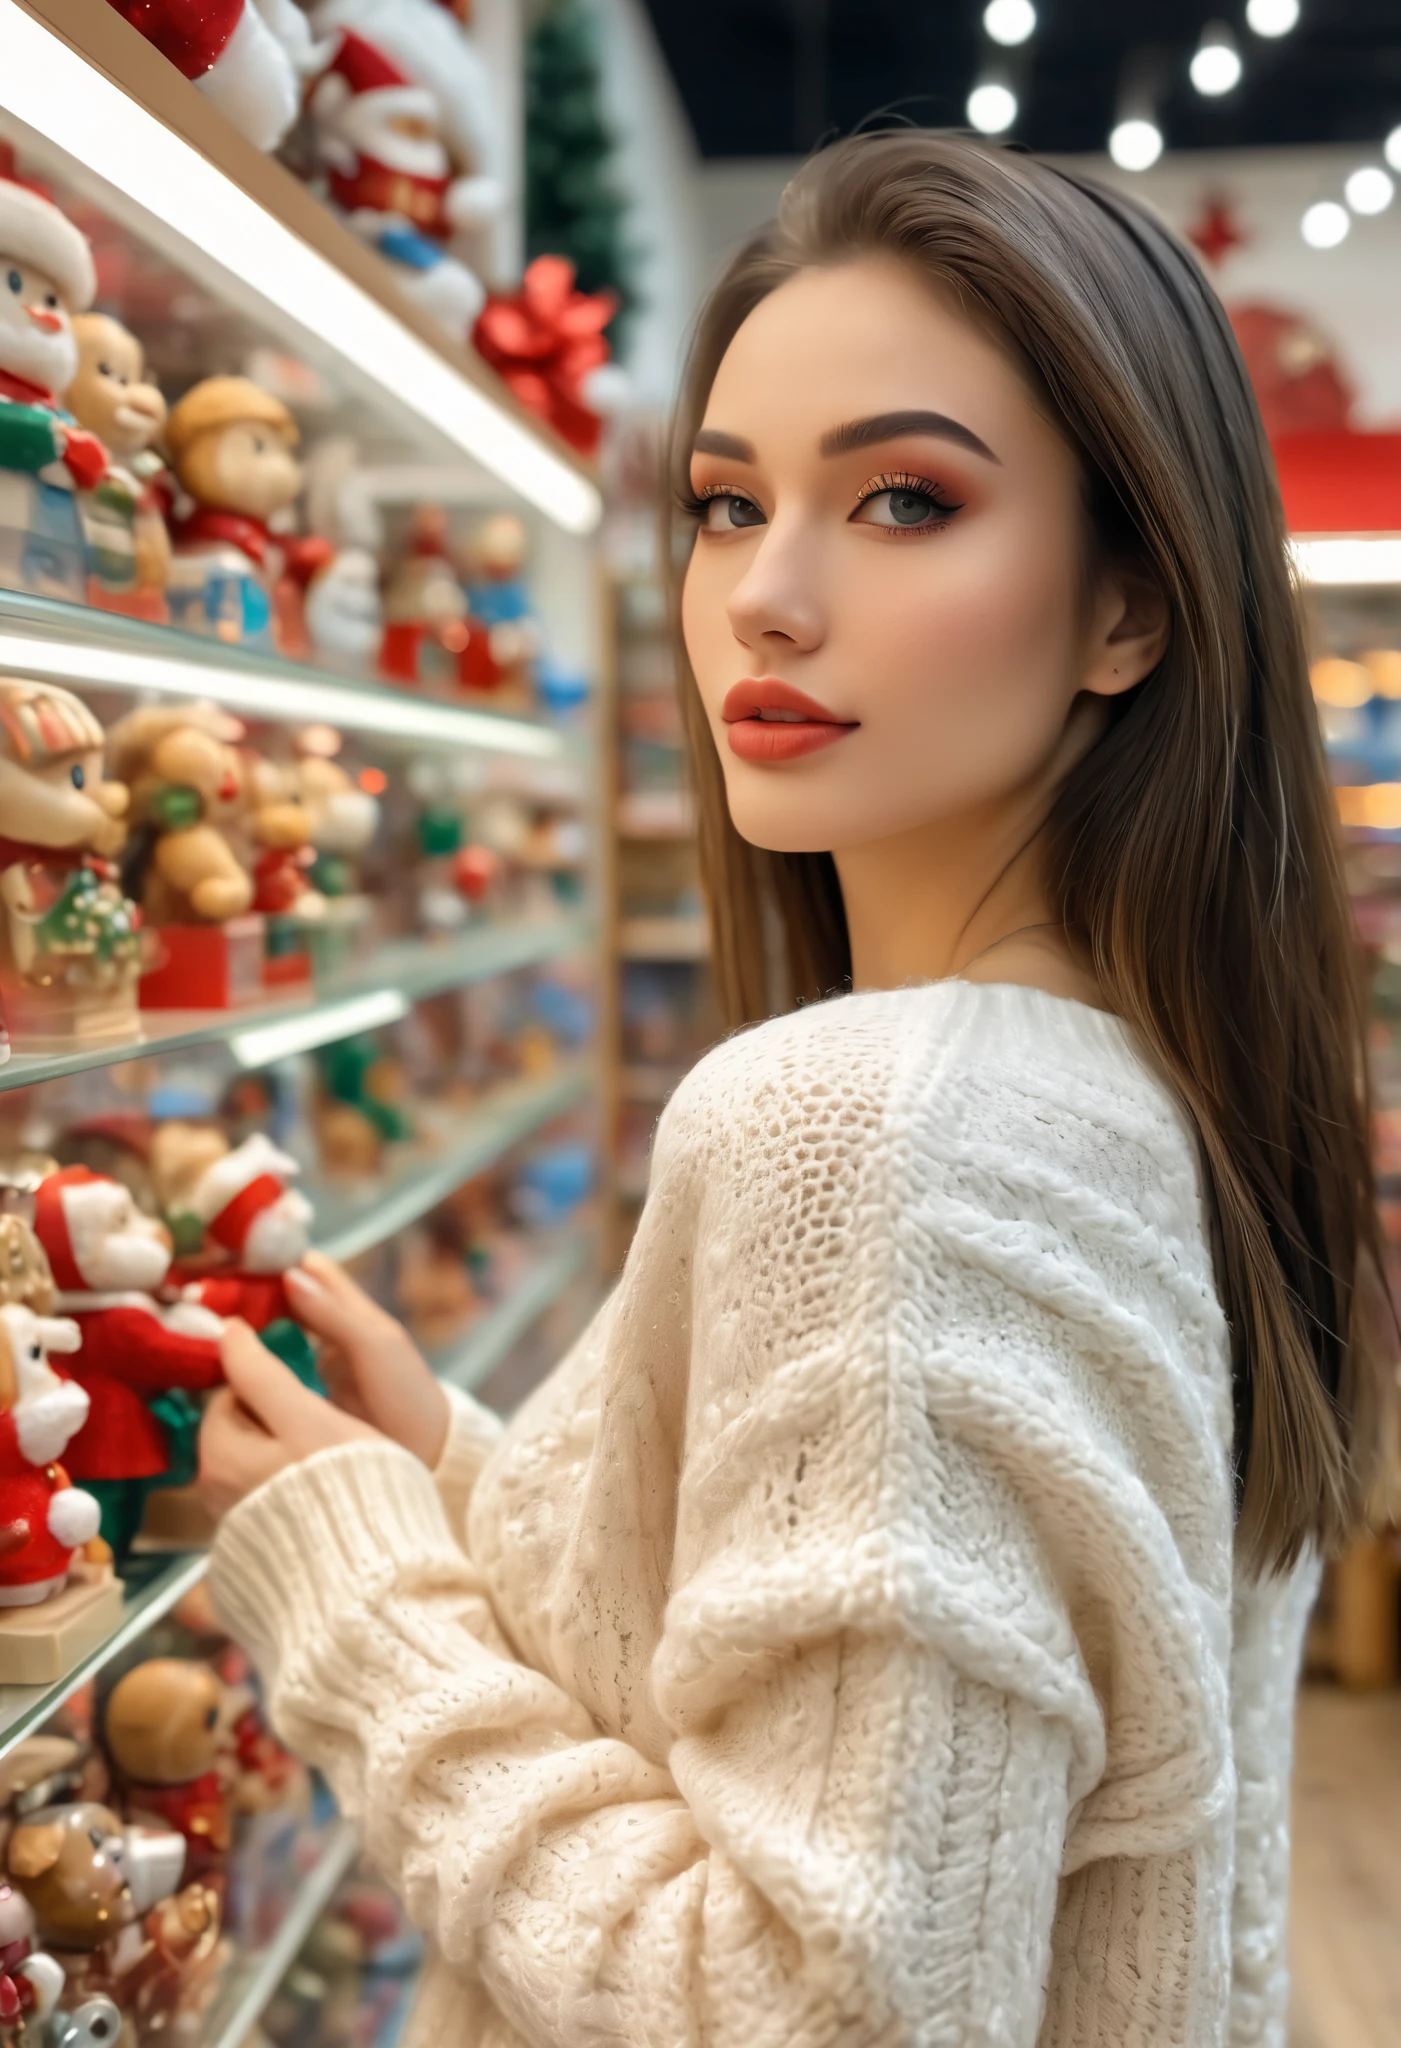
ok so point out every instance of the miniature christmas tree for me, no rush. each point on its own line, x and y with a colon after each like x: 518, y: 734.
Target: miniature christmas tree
x: 572, y: 206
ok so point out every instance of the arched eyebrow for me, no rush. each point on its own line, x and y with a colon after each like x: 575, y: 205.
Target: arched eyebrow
x: 843, y: 440
x: 890, y: 426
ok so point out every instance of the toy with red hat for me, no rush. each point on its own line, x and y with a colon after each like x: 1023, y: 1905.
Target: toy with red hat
x: 255, y: 1226
x: 108, y: 1259
x: 386, y: 166
x: 247, y: 59
x: 44, y: 1518
x: 46, y: 276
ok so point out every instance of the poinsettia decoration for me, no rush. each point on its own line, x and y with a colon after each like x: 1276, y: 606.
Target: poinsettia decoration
x: 547, y: 342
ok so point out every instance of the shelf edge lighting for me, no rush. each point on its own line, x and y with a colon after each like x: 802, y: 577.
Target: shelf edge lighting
x: 1345, y: 558
x: 275, y: 696
x: 59, y: 94
x: 262, y: 1045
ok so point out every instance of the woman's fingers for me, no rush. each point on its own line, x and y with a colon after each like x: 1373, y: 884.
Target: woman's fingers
x: 236, y: 1454
x: 378, y: 1371
x: 266, y: 1387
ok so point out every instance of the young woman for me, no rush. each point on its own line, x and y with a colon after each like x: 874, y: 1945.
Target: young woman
x: 882, y: 1628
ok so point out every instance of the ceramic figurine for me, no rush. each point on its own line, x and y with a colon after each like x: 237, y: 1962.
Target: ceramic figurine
x: 248, y: 57
x: 256, y: 1225
x: 124, y: 516
x: 342, y: 818
x: 362, y: 1109
x: 164, y: 1731
x: 426, y: 634
x: 46, y: 276
x: 69, y: 937
x: 344, y: 612
x: 505, y: 636
x: 389, y: 172
x: 44, y: 1519
x: 231, y: 445
x: 108, y: 1261
x: 188, y: 795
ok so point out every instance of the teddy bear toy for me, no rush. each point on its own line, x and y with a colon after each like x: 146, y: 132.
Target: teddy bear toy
x: 123, y: 515
x: 46, y: 276
x: 232, y: 448
x: 165, y: 1733
x: 44, y: 1518
x: 70, y: 946
x: 189, y: 797
x: 108, y: 1261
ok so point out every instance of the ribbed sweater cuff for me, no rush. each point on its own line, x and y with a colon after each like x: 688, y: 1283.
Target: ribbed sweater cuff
x: 324, y: 1536
x: 473, y: 1434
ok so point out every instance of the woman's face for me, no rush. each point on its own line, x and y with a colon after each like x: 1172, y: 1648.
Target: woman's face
x: 885, y: 607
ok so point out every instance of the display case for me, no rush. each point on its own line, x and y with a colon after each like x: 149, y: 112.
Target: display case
x: 302, y: 944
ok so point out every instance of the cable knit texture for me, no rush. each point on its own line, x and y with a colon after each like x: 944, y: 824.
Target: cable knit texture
x: 841, y: 1647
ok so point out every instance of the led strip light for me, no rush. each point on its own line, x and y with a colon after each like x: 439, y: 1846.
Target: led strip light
x: 1343, y: 558
x: 56, y: 92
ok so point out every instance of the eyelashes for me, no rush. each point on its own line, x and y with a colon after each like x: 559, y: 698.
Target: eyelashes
x: 906, y: 483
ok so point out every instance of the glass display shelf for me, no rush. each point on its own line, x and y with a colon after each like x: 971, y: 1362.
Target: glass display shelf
x: 352, y: 1221
x: 475, y: 1357
x: 378, y: 991
x: 252, y: 1980
x: 79, y: 647
x: 151, y: 1587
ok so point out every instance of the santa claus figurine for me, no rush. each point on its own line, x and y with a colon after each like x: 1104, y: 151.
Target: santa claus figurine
x: 257, y: 1226
x: 247, y: 59
x: 44, y: 1518
x: 108, y: 1261
x: 46, y: 276
x: 387, y: 168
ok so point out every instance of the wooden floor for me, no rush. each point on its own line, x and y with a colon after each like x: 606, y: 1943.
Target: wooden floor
x: 1346, y: 1908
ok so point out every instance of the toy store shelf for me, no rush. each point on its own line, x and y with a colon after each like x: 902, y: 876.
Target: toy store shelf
x: 351, y: 1224
x: 251, y: 1985
x: 152, y: 1586
x: 82, y: 647
x: 468, y: 1363
x: 397, y: 975
x: 664, y: 938
x: 112, y: 117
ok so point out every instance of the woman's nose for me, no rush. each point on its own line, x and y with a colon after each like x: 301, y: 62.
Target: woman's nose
x: 778, y: 594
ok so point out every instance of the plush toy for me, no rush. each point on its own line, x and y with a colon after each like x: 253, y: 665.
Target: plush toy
x: 69, y: 939
x: 164, y: 1729
x: 261, y: 1226
x: 44, y: 1518
x: 30, y: 1981
x: 231, y: 444
x: 46, y: 276
x: 124, y: 517
x: 248, y: 57
x: 379, y: 140
x: 186, y: 779
x: 108, y: 1261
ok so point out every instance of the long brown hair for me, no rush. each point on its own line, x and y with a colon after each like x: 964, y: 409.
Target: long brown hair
x: 1192, y: 853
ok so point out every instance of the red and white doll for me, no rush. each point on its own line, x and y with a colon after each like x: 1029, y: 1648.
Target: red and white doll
x: 261, y: 1226
x: 44, y: 1518
x: 108, y: 1262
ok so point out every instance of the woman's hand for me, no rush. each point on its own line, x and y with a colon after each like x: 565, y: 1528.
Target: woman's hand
x: 261, y: 1422
x: 371, y: 1366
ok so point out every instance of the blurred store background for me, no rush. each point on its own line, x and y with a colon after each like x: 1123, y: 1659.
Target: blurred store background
x: 439, y: 260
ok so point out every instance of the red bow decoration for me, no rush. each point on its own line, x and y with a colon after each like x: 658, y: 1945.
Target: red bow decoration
x: 544, y: 341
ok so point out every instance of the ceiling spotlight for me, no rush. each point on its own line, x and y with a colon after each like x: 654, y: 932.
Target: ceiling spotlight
x: 1272, y: 17
x: 1369, y: 190
x: 1009, y: 21
x: 1325, y: 224
x: 1391, y: 149
x: 1216, y: 68
x: 992, y: 107
x: 1136, y: 145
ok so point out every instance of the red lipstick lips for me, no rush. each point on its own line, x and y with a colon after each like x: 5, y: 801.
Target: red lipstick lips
x: 770, y: 721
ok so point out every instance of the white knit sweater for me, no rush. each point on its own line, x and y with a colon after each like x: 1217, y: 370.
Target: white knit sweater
x: 841, y: 1647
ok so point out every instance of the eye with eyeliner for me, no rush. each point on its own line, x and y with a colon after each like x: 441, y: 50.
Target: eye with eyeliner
x: 906, y: 484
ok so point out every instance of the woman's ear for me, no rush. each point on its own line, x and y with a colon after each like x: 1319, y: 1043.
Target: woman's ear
x: 1128, y: 632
